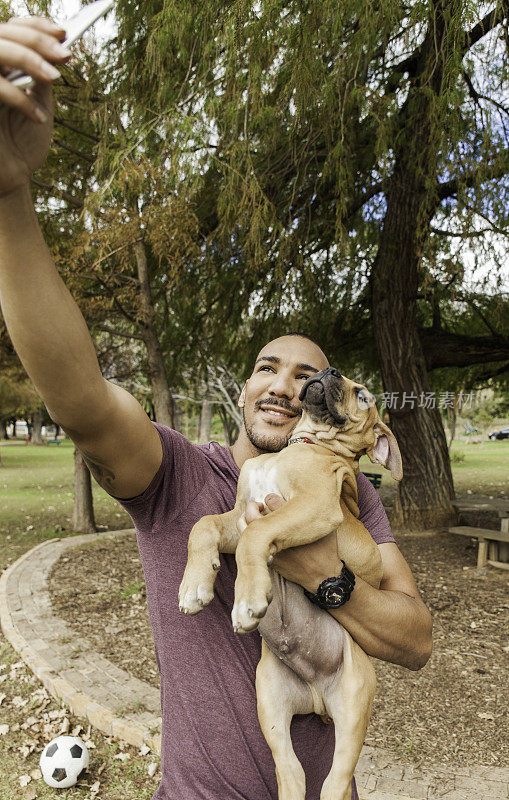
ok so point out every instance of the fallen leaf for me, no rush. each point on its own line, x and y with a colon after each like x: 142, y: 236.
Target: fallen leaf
x: 122, y: 756
x: 151, y: 769
x: 30, y: 793
x: 24, y: 780
x: 64, y: 727
x: 4, y: 729
x: 18, y: 701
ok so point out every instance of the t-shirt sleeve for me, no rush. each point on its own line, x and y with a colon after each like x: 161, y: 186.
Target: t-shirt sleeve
x: 372, y: 513
x: 176, y: 483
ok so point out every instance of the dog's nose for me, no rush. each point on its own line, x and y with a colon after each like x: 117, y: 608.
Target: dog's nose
x: 334, y: 372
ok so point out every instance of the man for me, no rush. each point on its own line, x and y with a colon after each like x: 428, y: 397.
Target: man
x: 213, y: 748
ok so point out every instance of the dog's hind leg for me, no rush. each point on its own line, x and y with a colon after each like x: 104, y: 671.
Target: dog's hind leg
x: 281, y: 694
x: 348, y: 701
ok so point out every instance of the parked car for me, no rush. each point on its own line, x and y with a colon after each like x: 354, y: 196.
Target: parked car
x: 503, y: 433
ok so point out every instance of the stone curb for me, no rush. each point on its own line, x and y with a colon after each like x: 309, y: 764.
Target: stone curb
x: 97, y: 689
x: 89, y: 684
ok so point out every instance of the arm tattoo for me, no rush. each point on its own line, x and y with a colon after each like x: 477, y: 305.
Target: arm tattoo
x: 104, y: 476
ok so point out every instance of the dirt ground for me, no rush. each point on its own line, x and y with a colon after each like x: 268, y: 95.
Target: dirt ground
x: 454, y: 711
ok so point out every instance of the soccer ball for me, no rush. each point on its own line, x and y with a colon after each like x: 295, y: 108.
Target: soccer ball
x: 63, y: 760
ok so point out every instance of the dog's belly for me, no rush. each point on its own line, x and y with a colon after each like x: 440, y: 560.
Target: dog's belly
x: 305, y: 637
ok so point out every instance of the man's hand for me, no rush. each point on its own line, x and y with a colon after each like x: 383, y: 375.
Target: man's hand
x: 32, y: 45
x: 304, y: 565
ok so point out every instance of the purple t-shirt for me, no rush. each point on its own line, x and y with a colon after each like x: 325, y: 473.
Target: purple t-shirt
x: 212, y: 744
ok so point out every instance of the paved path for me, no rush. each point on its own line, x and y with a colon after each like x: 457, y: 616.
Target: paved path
x: 122, y: 706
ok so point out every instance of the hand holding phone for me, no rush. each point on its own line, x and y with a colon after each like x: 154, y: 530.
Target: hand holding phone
x: 30, y: 50
x: 75, y: 27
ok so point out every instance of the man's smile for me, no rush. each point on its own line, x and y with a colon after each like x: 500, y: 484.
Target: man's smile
x: 277, y: 412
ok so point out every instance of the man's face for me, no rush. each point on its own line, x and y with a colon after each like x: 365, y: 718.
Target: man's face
x: 270, y: 398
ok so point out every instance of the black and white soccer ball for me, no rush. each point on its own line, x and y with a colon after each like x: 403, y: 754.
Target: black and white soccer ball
x: 63, y: 760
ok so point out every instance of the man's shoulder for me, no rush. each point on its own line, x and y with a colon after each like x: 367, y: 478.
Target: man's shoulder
x: 177, y: 447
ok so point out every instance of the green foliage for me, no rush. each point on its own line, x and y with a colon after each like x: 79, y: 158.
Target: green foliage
x: 250, y: 148
x: 290, y: 116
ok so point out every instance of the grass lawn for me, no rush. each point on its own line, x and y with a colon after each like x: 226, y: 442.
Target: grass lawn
x: 36, y: 489
x: 477, y: 467
x: 36, y: 501
x: 36, y: 497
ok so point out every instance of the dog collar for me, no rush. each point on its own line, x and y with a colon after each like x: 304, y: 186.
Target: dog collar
x: 301, y: 439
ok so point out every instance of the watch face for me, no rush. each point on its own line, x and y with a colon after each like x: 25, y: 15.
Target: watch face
x: 334, y: 595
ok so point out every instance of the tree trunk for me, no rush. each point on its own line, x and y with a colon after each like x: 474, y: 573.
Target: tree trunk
x: 452, y: 412
x: 426, y: 492
x: 230, y: 427
x: 205, y: 421
x: 37, y: 418
x: 163, y: 401
x: 3, y: 430
x: 177, y: 417
x: 83, y: 520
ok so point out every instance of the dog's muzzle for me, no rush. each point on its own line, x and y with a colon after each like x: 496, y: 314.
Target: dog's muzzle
x: 320, y: 394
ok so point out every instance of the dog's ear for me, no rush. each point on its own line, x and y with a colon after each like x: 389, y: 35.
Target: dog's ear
x: 385, y: 451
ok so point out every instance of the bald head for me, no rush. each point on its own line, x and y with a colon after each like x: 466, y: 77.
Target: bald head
x: 302, y: 350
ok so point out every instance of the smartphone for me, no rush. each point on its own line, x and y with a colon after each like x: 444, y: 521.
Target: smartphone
x: 74, y: 28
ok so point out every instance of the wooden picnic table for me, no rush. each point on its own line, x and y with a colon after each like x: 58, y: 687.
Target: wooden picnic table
x: 493, y: 545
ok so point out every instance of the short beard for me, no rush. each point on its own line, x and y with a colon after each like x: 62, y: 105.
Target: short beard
x: 266, y: 444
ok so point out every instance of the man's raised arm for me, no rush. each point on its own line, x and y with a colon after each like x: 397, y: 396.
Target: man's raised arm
x: 47, y: 329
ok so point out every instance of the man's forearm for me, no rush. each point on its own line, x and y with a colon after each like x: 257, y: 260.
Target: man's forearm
x: 45, y: 324
x: 388, y: 625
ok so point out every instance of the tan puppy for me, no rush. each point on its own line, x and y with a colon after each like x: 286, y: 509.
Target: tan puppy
x: 299, y: 671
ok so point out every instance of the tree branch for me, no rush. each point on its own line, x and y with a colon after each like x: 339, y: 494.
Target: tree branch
x: 444, y: 349
x: 124, y: 335
x: 68, y: 125
x: 483, y: 173
x: 48, y: 187
x: 464, y: 235
x: 474, y: 94
x: 486, y: 376
x: 74, y: 151
x: 484, y: 26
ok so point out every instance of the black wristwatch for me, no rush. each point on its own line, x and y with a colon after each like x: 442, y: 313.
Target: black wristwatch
x: 334, y: 592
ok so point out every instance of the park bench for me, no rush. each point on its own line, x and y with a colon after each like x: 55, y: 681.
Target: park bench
x: 493, y: 545
x: 53, y: 441
x: 374, y: 478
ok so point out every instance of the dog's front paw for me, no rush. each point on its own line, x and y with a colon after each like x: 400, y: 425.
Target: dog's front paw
x: 193, y: 597
x: 248, y: 611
